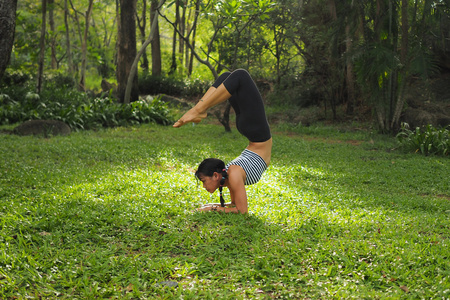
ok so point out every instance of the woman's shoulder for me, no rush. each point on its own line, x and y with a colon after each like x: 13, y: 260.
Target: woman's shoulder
x: 235, y: 173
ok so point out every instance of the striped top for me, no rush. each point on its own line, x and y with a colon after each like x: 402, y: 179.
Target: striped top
x: 253, y: 165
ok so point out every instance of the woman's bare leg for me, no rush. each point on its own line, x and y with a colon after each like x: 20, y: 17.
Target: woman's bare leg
x: 211, y: 98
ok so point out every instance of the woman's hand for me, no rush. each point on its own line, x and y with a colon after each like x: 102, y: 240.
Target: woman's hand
x: 218, y: 208
x: 208, y: 208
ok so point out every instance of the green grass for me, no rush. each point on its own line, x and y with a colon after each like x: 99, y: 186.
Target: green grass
x: 109, y: 214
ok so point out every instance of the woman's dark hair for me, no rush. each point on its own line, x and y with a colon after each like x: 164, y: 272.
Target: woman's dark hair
x: 208, y: 167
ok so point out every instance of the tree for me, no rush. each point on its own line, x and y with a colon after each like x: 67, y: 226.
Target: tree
x: 7, y: 27
x: 133, y: 69
x: 126, y: 49
x: 395, y: 122
x: 237, y: 15
x: 175, y: 24
x: 83, y: 37
x: 51, y: 21
x: 279, y: 42
x: 156, y: 40
x: 142, y: 25
x: 68, y: 45
x: 192, y: 27
x: 318, y: 39
x: 41, y: 48
x: 87, y: 16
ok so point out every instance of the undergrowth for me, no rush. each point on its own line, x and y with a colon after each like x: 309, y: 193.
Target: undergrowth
x: 427, y: 140
x: 77, y: 109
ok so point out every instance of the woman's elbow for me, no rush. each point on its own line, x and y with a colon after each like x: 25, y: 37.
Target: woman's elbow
x: 242, y: 210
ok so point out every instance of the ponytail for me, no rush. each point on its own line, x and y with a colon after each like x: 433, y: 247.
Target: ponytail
x: 208, y: 167
x: 222, y: 182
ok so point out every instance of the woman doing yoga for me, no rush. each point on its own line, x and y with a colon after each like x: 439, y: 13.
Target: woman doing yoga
x: 239, y: 88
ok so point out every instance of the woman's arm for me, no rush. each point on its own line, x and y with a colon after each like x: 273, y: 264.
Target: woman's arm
x: 237, y: 193
x: 219, y: 208
x: 235, y: 184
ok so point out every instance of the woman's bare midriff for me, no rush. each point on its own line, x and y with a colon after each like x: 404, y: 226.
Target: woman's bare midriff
x: 263, y: 149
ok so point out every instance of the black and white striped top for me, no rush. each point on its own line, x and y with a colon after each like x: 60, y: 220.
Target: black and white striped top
x: 253, y: 165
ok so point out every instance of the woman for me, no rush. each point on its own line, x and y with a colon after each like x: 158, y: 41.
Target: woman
x: 239, y: 88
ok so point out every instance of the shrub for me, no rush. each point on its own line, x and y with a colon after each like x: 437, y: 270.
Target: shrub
x: 77, y: 109
x: 154, y: 85
x: 15, y: 77
x: 195, y: 87
x: 57, y: 79
x: 429, y: 140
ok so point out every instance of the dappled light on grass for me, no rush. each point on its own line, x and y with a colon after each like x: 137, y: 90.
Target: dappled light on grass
x: 110, y: 214
x: 167, y: 187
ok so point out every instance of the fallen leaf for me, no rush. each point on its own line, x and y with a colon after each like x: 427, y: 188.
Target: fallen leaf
x: 129, y: 288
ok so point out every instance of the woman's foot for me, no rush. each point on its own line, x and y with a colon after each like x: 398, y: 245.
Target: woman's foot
x: 192, y: 115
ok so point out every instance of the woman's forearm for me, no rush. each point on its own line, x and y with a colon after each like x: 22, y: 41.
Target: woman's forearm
x: 226, y: 209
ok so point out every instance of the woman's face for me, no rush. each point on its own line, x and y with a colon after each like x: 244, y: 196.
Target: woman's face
x: 210, y: 183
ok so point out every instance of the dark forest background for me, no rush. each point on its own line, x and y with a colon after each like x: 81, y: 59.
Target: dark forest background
x: 378, y: 61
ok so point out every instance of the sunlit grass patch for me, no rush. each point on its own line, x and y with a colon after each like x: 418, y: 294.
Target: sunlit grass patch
x: 111, y: 214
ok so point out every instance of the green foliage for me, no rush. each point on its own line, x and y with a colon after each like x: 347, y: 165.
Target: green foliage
x: 15, y: 77
x: 154, y: 85
x: 57, y: 79
x: 428, y: 140
x: 109, y: 214
x: 79, y: 111
x: 296, y: 90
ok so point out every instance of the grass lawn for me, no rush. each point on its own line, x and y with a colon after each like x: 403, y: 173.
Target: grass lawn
x: 109, y: 214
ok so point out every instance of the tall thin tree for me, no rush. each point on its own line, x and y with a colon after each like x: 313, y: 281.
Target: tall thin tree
x: 51, y: 22
x: 42, y: 48
x: 87, y: 17
x: 142, y: 25
x: 68, y: 45
x: 173, y: 66
x: 126, y: 49
x: 156, y: 40
x: 133, y: 69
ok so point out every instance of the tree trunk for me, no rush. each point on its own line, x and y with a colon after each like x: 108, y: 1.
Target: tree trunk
x: 7, y: 29
x: 156, y: 41
x: 350, y: 73
x: 77, y: 21
x: 68, y: 50
x: 194, y: 33
x: 224, y: 117
x: 404, y: 60
x: 173, y: 67
x: 186, y: 51
x: 126, y: 49
x: 79, y: 34
x: 87, y: 16
x: 197, y: 56
x: 41, y: 48
x: 142, y: 27
x: 183, y: 32
x: 51, y: 22
x: 133, y: 69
